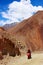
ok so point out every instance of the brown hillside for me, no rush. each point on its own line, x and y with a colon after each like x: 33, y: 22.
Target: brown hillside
x: 30, y: 31
x: 8, y: 43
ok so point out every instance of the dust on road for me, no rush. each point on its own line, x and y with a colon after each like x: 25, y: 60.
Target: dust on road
x: 37, y: 59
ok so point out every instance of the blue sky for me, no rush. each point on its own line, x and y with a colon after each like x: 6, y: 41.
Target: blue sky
x: 18, y: 10
x: 37, y: 2
x: 4, y: 4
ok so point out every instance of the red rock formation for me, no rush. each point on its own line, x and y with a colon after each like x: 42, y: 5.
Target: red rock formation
x: 30, y: 31
x: 7, y: 45
x: 1, y: 56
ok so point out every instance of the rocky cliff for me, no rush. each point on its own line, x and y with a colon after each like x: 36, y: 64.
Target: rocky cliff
x: 30, y: 32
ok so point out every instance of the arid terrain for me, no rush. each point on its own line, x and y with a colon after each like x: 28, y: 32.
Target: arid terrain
x: 30, y: 32
x: 15, y: 41
x: 37, y: 59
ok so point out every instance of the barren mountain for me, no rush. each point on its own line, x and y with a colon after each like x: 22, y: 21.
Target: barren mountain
x: 30, y: 31
x: 7, y: 26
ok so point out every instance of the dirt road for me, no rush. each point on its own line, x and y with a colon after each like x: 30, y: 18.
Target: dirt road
x: 37, y: 59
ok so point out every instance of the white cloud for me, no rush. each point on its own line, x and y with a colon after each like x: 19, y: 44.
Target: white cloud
x: 2, y: 23
x: 20, y: 10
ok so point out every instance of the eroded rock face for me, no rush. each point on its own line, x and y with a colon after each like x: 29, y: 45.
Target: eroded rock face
x: 1, y: 56
x: 7, y: 45
x: 30, y: 32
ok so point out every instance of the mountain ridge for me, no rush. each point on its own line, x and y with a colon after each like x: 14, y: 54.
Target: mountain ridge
x: 30, y: 32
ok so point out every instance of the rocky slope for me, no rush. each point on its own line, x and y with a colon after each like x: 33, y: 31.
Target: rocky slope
x: 30, y: 32
x: 8, y: 44
x: 7, y: 26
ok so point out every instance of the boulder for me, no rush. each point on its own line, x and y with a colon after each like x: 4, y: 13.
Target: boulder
x: 1, y: 56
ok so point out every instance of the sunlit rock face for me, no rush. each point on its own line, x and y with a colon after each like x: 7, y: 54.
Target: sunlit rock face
x: 30, y: 32
x: 7, y: 45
